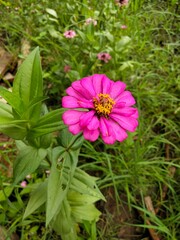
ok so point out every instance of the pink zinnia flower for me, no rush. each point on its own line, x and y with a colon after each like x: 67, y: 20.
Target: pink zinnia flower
x: 91, y: 20
x: 104, y: 57
x: 99, y: 106
x: 122, y: 2
x: 70, y: 34
x: 67, y: 68
x: 123, y: 26
x: 23, y: 184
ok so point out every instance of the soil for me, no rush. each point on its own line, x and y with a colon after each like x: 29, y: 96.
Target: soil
x: 117, y: 219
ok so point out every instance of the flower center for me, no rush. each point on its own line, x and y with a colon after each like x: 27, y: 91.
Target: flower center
x: 103, y: 104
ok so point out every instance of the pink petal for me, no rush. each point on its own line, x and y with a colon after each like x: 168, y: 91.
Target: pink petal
x: 107, y: 132
x: 126, y: 111
x: 91, y: 135
x: 73, y: 93
x: 97, y: 82
x: 127, y: 98
x: 94, y: 123
x: 88, y: 85
x: 86, y: 118
x: 106, y: 85
x: 117, y: 88
x: 120, y: 133
x: 85, y: 103
x: 75, y: 128
x: 119, y: 105
x: 109, y: 140
x: 71, y: 116
x: 70, y: 102
x: 80, y: 90
x: 105, y: 128
x: 116, y: 133
x: 128, y: 123
x: 136, y: 114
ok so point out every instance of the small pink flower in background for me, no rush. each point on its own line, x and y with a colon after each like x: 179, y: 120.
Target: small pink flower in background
x: 123, y: 27
x: 90, y: 20
x: 99, y: 106
x: 67, y: 68
x: 122, y: 2
x: 70, y: 34
x: 23, y: 184
x: 104, y: 57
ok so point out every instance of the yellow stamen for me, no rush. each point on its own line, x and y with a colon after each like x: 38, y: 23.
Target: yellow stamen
x: 103, y: 104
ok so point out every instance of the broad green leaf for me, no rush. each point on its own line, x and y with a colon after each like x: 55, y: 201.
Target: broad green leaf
x: 32, y: 105
x: 27, y: 162
x: 53, y: 32
x: 122, y: 43
x: 64, y: 223
x: 85, y: 184
x: 90, y: 32
x: 85, y: 212
x: 28, y: 83
x: 82, y: 35
x: 79, y: 199
x: 5, y: 114
x: 59, y: 182
x: 109, y: 36
x: 15, y: 129
x: 45, y: 129
x: 52, y: 12
x: 70, y: 141
x: 5, y: 193
x: 65, y: 214
x: 11, y: 99
x: 58, y: 151
x: 53, y: 116
x: 48, y: 123
x: 38, y: 198
x: 20, y: 144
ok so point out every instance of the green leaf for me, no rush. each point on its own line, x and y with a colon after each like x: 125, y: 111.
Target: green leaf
x: 81, y: 34
x: 5, y: 193
x: 79, y: 199
x: 48, y: 123
x: 59, y: 183
x: 28, y: 83
x: 70, y: 141
x: 38, y: 198
x: 5, y: 113
x: 52, y: 12
x: 27, y: 162
x: 85, y: 212
x: 85, y: 184
x: 16, y: 129
x: 32, y: 105
x: 64, y: 224
x: 109, y: 36
x: 122, y: 43
x: 11, y: 99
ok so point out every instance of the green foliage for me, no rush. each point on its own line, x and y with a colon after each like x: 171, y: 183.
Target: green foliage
x: 145, y: 55
x: 27, y: 86
x: 63, y: 159
x: 38, y: 198
x: 27, y: 162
